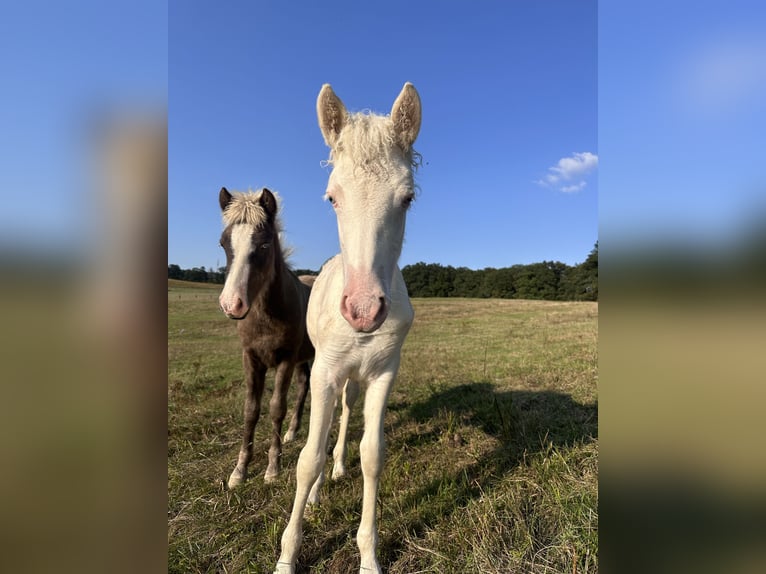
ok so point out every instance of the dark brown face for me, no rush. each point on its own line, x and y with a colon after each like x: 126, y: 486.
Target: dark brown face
x: 250, y: 255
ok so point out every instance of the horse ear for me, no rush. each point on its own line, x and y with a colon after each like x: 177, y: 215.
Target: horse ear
x: 269, y: 203
x: 224, y: 198
x: 405, y: 114
x: 331, y: 113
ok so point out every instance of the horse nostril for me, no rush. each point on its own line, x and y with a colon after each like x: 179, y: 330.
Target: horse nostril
x: 382, y: 309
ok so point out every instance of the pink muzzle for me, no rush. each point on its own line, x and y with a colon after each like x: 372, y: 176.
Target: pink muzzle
x: 364, y: 304
x: 233, y: 306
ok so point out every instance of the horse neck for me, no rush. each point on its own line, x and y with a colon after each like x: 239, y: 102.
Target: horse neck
x: 275, y: 296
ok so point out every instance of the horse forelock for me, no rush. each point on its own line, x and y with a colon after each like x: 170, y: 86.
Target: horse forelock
x: 367, y: 139
x: 246, y: 208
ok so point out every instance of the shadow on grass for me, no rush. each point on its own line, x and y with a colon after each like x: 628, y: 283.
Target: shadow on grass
x: 525, y: 423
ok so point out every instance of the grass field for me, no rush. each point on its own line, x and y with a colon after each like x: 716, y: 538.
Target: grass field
x: 491, y: 459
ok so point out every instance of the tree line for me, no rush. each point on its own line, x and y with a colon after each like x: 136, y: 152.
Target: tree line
x: 202, y: 275
x: 548, y: 280
x: 197, y: 274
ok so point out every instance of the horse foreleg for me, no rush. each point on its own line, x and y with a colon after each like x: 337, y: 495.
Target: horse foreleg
x: 350, y: 394
x: 310, y: 462
x: 278, y: 410
x: 302, y: 381
x: 372, y: 454
x: 255, y: 375
x: 316, y: 488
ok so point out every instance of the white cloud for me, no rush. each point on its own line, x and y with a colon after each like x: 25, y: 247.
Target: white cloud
x: 574, y: 188
x: 567, y: 169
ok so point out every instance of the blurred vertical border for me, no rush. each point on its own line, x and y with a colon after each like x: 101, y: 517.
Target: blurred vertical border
x: 83, y: 294
x: 682, y: 318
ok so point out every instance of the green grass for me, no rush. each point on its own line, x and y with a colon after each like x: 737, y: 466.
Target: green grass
x: 491, y: 459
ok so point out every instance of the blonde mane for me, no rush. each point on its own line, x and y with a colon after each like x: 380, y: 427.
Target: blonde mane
x: 365, y: 138
x: 245, y: 208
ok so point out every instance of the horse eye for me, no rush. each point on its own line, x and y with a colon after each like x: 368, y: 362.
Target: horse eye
x: 331, y: 199
x: 265, y: 245
x: 407, y: 201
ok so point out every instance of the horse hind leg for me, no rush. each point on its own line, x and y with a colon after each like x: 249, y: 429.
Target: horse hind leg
x: 302, y: 380
x: 339, y: 453
x: 255, y: 375
x: 278, y: 410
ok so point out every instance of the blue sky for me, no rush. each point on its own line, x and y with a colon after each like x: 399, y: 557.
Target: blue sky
x: 509, y: 121
x: 682, y: 118
x: 675, y: 110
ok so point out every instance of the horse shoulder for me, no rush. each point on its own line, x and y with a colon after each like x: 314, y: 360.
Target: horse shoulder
x: 401, y: 307
x: 323, y: 316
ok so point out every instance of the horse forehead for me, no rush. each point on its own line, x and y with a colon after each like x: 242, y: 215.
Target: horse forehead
x: 241, y: 235
x: 368, y: 184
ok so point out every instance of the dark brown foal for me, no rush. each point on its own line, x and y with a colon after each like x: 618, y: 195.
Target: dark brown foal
x: 269, y: 302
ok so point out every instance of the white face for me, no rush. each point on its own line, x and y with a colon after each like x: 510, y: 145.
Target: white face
x: 371, y: 209
x: 248, y: 260
x: 371, y: 188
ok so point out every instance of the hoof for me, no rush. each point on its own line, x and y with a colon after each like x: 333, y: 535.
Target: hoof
x: 289, y: 436
x: 236, y: 479
x: 313, y: 499
x: 283, y: 568
x: 270, y: 478
x: 338, y: 472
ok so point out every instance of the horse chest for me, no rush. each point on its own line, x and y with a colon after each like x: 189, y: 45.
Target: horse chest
x: 273, y: 341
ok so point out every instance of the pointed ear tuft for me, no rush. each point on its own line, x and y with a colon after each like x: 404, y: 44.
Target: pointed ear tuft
x: 406, y: 115
x: 224, y: 198
x: 269, y: 203
x: 331, y: 113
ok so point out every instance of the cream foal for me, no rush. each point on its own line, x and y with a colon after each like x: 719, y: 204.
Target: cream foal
x: 359, y: 312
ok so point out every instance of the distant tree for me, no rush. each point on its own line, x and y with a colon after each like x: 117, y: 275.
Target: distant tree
x: 416, y: 279
x: 567, y: 283
x: 217, y: 276
x: 485, y: 279
x: 561, y: 272
x: 175, y: 272
x: 466, y: 282
x: 195, y: 274
x: 442, y: 280
x: 504, y: 283
x: 550, y: 280
x: 586, y: 277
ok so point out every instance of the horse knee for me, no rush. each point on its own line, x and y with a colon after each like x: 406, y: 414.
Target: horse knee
x: 371, y: 452
x: 309, y: 465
